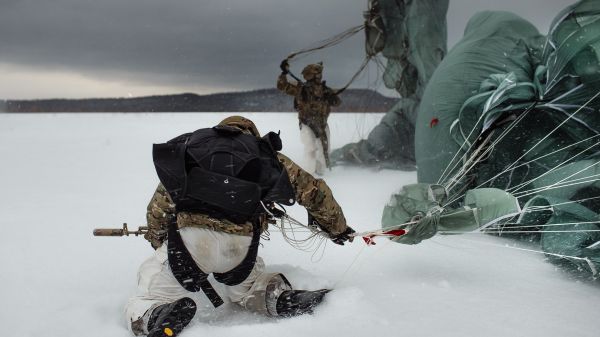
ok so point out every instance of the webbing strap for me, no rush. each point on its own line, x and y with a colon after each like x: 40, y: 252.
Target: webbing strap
x: 185, y: 269
x: 241, y: 272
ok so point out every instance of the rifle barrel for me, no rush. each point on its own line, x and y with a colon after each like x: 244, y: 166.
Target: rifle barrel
x: 108, y: 232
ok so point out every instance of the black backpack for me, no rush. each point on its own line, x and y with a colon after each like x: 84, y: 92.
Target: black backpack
x: 223, y: 172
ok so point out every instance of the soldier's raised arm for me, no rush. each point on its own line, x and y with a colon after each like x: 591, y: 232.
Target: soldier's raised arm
x: 283, y: 84
x: 287, y: 87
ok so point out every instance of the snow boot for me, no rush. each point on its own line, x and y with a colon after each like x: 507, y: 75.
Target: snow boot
x: 169, y: 319
x: 298, y: 302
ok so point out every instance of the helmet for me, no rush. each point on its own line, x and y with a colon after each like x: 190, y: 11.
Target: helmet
x: 311, y: 70
x: 242, y: 123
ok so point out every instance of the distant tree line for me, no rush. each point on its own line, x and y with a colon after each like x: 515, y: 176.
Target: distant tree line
x: 264, y: 100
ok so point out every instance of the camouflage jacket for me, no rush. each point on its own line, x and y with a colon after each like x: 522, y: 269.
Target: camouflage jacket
x: 312, y: 193
x: 312, y: 101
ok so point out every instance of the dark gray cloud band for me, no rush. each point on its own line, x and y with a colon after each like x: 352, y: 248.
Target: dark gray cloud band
x: 235, y: 44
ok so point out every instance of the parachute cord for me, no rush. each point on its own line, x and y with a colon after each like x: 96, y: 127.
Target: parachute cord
x: 312, y: 243
x: 345, y: 273
x: 502, y: 231
x: 332, y: 41
x: 574, y: 201
x: 538, y: 158
x: 556, y: 128
x: 510, y: 226
x: 565, y: 162
x: 360, y: 70
x: 574, y: 182
x: 468, y: 152
x: 548, y: 134
x: 585, y: 259
x: 505, y: 132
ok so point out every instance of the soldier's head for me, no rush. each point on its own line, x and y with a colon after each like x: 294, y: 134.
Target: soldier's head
x: 241, y: 123
x: 313, y: 72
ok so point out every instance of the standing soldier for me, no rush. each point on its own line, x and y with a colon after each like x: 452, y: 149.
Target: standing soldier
x: 214, y: 201
x: 313, y: 101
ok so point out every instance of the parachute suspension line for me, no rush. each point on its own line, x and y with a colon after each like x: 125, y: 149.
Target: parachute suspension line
x: 570, y: 182
x: 288, y: 226
x: 446, y: 172
x: 556, y: 128
x: 360, y: 70
x: 470, y: 162
x: 468, y: 150
x: 501, y: 231
x: 553, y: 187
x: 459, y: 194
x: 500, y: 137
x: 345, y: 273
x: 332, y: 41
x: 536, y: 159
x: 586, y: 260
x: 574, y: 201
x: 544, y: 138
x: 517, y: 226
x: 516, y: 188
x: 355, y: 260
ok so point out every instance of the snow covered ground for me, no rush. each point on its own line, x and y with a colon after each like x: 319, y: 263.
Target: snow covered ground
x: 63, y: 175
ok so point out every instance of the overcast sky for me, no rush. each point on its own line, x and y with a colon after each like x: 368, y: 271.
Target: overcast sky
x: 121, y: 48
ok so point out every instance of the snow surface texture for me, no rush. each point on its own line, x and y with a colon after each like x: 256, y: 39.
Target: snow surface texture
x: 63, y: 175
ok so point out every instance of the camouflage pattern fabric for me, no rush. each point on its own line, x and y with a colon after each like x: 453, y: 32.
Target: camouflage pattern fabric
x: 158, y: 214
x: 313, y: 101
x: 312, y: 193
x: 316, y: 197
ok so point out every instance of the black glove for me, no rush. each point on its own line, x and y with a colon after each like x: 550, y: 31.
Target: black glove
x: 285, y: 66
x: 343, y: 237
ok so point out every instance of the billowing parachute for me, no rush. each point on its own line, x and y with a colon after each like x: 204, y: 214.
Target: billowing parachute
x: 507, y: 138
x: 415, y: 43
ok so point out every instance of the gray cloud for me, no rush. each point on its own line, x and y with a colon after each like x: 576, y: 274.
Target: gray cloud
x: 235, y: 44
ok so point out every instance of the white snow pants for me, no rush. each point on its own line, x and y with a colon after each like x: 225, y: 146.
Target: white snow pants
x: 214, y: 252
x: 314, y: 157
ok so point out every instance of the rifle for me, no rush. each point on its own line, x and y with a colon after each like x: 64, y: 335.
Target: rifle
x: 120, y: 232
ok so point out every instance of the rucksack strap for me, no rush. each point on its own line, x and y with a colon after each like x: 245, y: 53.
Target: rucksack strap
x: 241, y: 272
x: 185, y: 269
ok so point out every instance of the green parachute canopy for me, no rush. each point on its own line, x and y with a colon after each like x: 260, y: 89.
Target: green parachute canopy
x: 511, y: 111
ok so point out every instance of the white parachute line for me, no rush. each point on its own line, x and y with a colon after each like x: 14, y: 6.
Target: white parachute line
x: 345, y: 273
x: 567, y: 161
x: 499, y: 231
x: 312, y: 243
x: 574, y: 201
x: 589, y: 178
x: 558, y: 127
x: 556, y: 99
x: 514, y: 226
x: 589, y: 263
x: 556, y: 187
x: 473, y: 159
x: 536, y: 159
x: 561, y: 108
x: 489, y: 149
x: 466, y: 139
x: 500, y: 137
x: 548, y: 187
x: 553, y: 130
